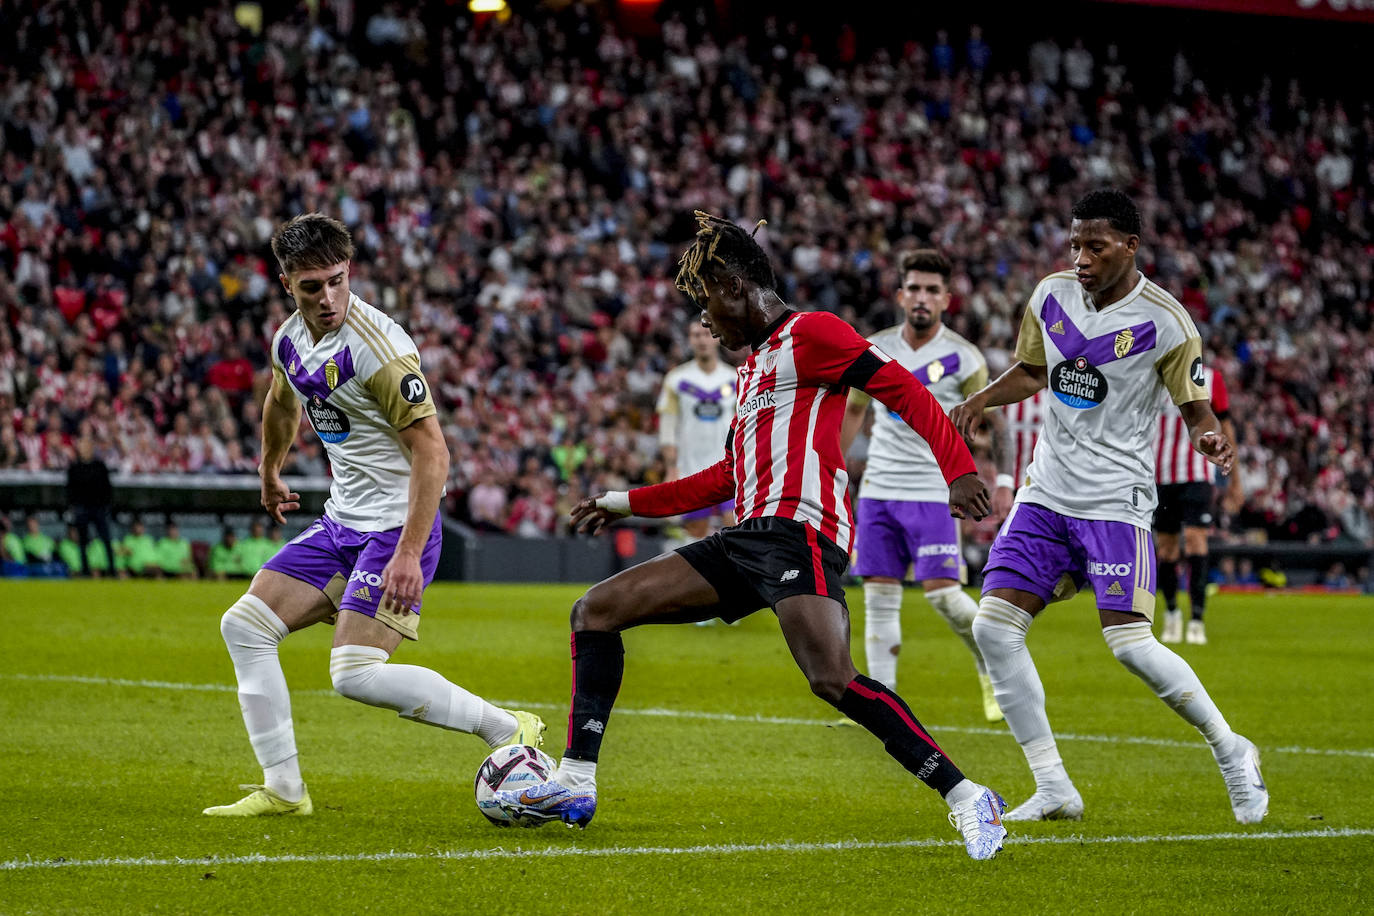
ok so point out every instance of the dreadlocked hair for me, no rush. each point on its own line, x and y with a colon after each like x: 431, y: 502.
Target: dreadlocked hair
x: 722, y: 246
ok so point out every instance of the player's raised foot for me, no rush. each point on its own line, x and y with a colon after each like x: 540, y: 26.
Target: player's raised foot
x: 991, y: 711
x: 1055, y: 803
x: 549, y: 801
x: 1197, y: 633
x: 979, y: 820
x: 529, y: 729
x: 1173, y: 627
x: 262, y: 802
x: 1240, y: 767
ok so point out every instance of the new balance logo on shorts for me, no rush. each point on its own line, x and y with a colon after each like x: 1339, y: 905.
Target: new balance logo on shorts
x: 790, y: 575
x: 595, y: 725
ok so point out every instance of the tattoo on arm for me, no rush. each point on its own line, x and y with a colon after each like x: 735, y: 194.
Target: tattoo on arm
x: 999, y: 440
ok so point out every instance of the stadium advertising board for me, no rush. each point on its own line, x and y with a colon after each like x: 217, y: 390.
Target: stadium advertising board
x: 1344, y: 10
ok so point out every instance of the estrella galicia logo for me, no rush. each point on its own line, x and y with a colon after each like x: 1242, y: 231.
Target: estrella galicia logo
x: 413, y: 389
x: 708, y: 410
x: 1196, y: 374
x: 1077, y: 383
x: 330, y: 423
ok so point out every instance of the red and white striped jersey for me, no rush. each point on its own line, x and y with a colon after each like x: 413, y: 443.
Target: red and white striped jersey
x: 1176, y: 461
x: 1024, y: 420
x: 783, y: 453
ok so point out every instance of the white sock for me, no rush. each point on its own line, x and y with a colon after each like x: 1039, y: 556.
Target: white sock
x: 252, y: 633
x: 883, y: 630
x: 576, y: 774
x: 361, y: 673
x: 1000, y: 629
x: 959, y: 611
x: 962, y: 793
x: 1171, y: 678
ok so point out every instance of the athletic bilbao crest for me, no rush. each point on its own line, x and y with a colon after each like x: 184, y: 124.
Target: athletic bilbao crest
x: 1124, y: 341
x: 770, y: 362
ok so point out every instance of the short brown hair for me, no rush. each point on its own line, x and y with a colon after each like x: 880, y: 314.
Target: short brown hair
x: 310, y: 241
x: 927, y: 260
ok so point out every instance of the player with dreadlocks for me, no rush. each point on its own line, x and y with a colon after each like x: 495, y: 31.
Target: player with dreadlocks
x: 784, y: 469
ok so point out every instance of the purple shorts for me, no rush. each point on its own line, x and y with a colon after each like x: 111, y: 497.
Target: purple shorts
x: 724, y: 508
x: 333, y: 557
x: 894, y: 534
x: 1036, y: 547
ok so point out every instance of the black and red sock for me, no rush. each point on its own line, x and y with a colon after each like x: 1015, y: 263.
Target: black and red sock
x: 598, y: 667
x: 882, y: 712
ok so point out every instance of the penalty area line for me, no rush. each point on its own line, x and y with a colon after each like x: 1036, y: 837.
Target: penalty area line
x: 701, y: 715
x: 561, y: 852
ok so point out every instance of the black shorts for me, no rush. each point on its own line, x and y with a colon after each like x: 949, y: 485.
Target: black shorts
x: 761, y: 561
x: 1183, y: 505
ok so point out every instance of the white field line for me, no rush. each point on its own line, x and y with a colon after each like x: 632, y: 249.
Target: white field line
x: 700, y: 715
x: 563, y: 852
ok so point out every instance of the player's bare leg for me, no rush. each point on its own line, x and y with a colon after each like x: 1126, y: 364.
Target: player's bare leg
x: 817, y: 632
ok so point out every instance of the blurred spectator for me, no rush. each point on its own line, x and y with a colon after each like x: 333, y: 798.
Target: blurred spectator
x: 39, y: 547
x: 174, y: 554
x: 11, y: 547
x: 1078, y: 67
x: 89, y: 496
x: 137, y: 552
x: 226, y: 557
x: 256, y: 549
x: 1337, y: 579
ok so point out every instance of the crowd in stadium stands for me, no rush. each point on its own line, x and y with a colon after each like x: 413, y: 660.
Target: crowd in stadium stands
x: 519, y: 193
x: 31, y: 551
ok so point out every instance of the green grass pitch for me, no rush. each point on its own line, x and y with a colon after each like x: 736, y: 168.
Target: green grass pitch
x: 723, y: 788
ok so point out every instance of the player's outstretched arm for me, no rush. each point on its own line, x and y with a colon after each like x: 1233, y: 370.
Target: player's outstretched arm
x: 281, y: 418
x: 1016, y: 384
x: 1204, y: 429
x: 709, y: 487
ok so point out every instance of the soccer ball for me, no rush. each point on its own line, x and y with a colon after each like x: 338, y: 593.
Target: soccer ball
x: 510, y: 767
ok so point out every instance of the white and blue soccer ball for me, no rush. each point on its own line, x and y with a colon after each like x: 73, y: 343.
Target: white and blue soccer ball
x: 515, y: 766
